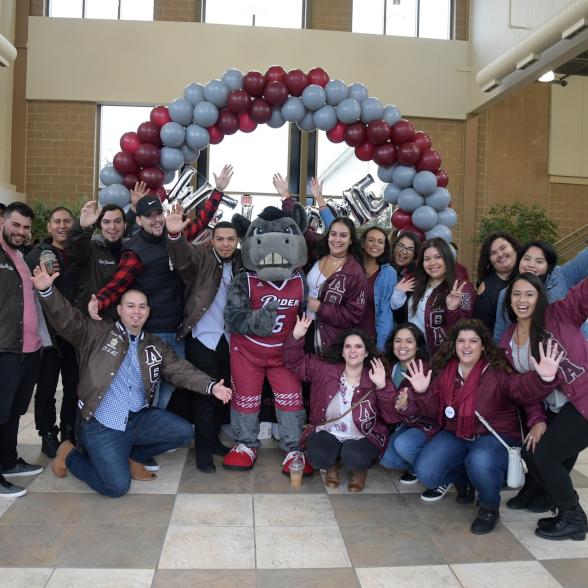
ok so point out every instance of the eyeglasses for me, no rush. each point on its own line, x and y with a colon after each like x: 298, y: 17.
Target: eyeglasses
x: 404, y: 249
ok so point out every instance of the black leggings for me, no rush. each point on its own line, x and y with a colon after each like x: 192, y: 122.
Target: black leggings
x: 564, y: 438
x: 325, y: 450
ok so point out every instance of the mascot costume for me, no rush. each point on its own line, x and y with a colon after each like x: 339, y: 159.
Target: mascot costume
x: 263, y: 302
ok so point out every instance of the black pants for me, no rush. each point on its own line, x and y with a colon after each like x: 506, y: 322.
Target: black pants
x: 566, y: 436
x: 61, y: 358
x: 18, y: 374
x: 325, y: 450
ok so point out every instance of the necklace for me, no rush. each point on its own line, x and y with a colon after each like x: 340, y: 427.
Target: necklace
x: 322, y: 272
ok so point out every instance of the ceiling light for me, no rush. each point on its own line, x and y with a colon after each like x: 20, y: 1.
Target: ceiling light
x: 548, y: 76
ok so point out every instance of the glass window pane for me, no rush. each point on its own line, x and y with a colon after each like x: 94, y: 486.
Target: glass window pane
x: 434, y: 19
x: 65, y: 8
x: 368, y: 17
x: 107, y: 9
x: 401, y: 18
x: 265, y: 13
x: 136, y: 10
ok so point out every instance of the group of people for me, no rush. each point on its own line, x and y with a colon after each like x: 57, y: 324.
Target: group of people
x: 402, y: 361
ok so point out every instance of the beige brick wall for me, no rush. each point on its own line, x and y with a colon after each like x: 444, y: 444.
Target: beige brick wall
x: 461, y: 20
x: 60, y: 158
x: 37, y: 8
x: 177, y: 10
x: 330, y: 15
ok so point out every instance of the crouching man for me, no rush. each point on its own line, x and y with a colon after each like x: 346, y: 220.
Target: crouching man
x: 120, y: 367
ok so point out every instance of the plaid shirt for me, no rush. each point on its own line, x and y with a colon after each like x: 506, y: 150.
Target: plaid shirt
x: 130, y: 265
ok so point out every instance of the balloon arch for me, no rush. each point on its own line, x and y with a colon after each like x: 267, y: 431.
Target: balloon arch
x: 175, y: 135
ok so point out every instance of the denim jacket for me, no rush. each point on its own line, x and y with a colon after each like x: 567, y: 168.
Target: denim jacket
x: 383, y: 288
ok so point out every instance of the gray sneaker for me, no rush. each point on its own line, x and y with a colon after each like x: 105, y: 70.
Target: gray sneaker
x: 8, y: 490
x: 22, y: 468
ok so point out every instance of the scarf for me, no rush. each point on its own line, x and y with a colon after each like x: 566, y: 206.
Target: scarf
x: 462, y: 396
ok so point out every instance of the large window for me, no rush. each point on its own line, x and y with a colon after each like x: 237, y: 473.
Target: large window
x: 262, y: 13
x: 105, y: 9
x: 406, y: 18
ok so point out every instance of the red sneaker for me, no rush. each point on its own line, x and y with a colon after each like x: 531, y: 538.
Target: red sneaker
x: 240, y: 457
x: 290, y: 457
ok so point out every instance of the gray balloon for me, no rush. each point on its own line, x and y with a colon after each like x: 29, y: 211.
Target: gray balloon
x: 391, y: 114
x: 307, y: 123
x: 358, y: 92
x: 180, y: 111
x: 385, y: 173
x: 424, y: 217
x: 447, y: 217
x: 410, y: 200
x: 276, y: 120
x: 403, y: 176
x: 313, y: 97
x: 194, y: 93
x: 293, y: 109
x: 172, y: 134
x: 189, y: 154
x: 439, y: 199
x: 440, y: 231
x: 197, y: 137
x: 170, y: 176
x: 391, y: 193
x: 348, y: 111
x: 371, y: 109
x: 101, y: 196
x: 116, y: 194
x: 108, y: 176
x: 205, y: 114
x: 336, y: 90
x: 216, y: 92
x: 325, y: 118
x: 171, y: 158
x: 425, y: 183
x: 233, y: 78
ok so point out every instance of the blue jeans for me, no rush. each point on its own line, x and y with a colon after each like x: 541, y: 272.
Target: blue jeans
x: 403, y: 448
x: 165, y: 389
x: 105, y: 464
x: 447, y: 459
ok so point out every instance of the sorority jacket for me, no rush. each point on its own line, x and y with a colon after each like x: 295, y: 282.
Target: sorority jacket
x: 102, y: 346
x: 383, y: 288
x: 324, y: 381
x: 201, y: 269
x: 563, y: 320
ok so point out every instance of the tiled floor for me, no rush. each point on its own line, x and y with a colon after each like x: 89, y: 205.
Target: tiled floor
x: 246, y: 530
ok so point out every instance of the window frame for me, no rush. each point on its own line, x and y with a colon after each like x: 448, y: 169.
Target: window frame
x: 304, y: 14
x: 48, y: 11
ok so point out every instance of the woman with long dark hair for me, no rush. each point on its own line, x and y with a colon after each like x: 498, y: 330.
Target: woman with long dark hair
x: 405, y: 251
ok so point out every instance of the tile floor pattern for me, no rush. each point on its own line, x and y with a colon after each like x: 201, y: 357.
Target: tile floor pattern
x: 251, y: 529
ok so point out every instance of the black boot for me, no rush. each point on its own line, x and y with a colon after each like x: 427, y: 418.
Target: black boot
x: 527, y: 494
x: 466, y: 493
x: 570, y: 523
x: 204, y: 431
x: 219, y: 449
x: 541, y: 503
x: 547, y: 522
x: 68, y: 433
x: 485, y: 521
x: 49, y: 444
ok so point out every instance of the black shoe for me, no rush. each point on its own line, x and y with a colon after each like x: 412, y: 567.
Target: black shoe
x: 570, y: 523
x: 466, y: 494
x: 49, y: 444
x: 204, y: 462
x: 408, y: 478
x: 547, y: 522
x: 527, y: 494
x: 68, y: 433
x: 219, y: 449
x: 485, y: 521
x: 541, y: 503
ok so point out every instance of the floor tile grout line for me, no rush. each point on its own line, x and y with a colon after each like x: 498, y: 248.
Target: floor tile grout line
x: 49, y: 578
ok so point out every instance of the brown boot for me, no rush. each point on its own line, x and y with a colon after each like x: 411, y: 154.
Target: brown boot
x: 138, y: 472
x: 58, y: 464
x: 357, y: 481
x: 332, y: 478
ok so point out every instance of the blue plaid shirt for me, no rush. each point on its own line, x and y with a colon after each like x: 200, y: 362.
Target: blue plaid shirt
x: 126, y: 393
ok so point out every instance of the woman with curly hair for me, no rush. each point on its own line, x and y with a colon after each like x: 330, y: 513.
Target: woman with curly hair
x: 473, y: 376
x: 405, y: 251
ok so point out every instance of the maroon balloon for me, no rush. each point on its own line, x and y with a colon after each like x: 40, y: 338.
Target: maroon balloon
x: 152, y: 176
x: 365, y: 151
x: 296, y: 80
x: 276, y: 73
x: 215, y: 136
x: 254, y: 83
x: 238, y: 101
x: 160, y: 192
x: 124, y: 163
x: 276, y: 93
x: 385, y: 154
x: 337, y: 133
x: 147, y: 155
x: 410, y: 228
x: 317, y: 75
x: 260, y: 111
x: 129, y: 142
x: 227, y: 123
x: 442, y: 178
x: 246, y: 123
x: 402, y: 132
x: 160, y: 115
x: 422, y: 140
x: 148, y: 132
x: 130, y: 180
x: 355, y: 134
x: 400, y: 218
x: 430, y: 160
x: 378, y: 132
x: 408, y: 153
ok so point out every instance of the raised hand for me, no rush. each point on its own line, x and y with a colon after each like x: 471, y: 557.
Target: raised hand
x: 417, y: 377
x: 549, y: 360
x: 41, y: 279
x: 316, y: 189
x: 89, y: 214
x: 137, y: 193
x: 406, y: 285
x: 174, y: 221
x: 534, y: 436
x: 377, y: 373
x: 302, y: 324
x: 222, y: 392
x: 402, y: 400
x: 281, y: 185
x: 94, y: 308
x: 223, y: 179
x: 454, y: 297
